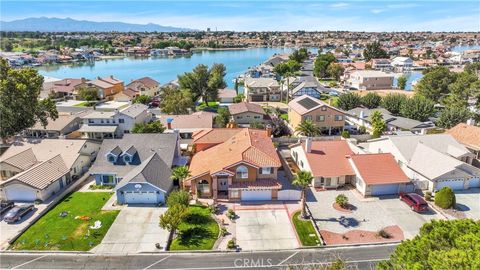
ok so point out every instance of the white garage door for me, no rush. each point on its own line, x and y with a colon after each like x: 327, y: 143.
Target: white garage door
x: 378, y: 190
x: 20, y: 193
x: 140, y: 197
x: 453, y: 184
x: 475, y: 183
x: 256, y: 195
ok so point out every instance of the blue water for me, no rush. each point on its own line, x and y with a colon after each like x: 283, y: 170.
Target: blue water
x: 464, y: 48
x: 411, y: 77
x: 163, y: 69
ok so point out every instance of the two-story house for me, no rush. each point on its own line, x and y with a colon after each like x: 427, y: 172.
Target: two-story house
x: 239, y: 165
x: 328, y: 118
x: 113, y: 124
x: 106, y: 87
x: 144, y: 86
x: 369, y: 80
x: 307, y: 86
x: 262, y: 89
x: 245, y: 113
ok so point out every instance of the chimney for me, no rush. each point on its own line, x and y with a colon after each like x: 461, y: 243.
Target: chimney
x: 361, y: 115
x: 269, y: 130
x: 169, y: 123
x: 471, y: 122
x: 308, y: 145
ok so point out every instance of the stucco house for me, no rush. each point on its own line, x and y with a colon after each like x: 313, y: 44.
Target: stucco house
x: 64, y: 125
x: 240, y: 167
x: 226, y: 96
x: 469, y: 135
x: 262, y: 89
x: 307, y: 86
x: 106, y: 87
x: 245, y: 113
x: 37, y: 169
x: 369, y: 80
x: 324, y: 116
x: 186, y: 124
x: 139, y: 166
x: 144, y: 86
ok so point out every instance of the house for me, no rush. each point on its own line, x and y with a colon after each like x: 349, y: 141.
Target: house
x: 37, y: 169
x: 431, y: 161
x: 324, y: 116
x: 139, y: 166
x: 241, y: 167
x: 369, y: 80
x: 262, y: 89
x: 144, y: 86
x: 402, y: 63
x: 333, y: 164
x: 362, y: 117
x: 381, y: 64
x: 127, y: 95
x: 469, y: 135
x: 187, y: 124
x: 63, y: 88
x: 245, y: 113
x: 226, y: 95
x: 107, y: 87
x: 65, y: 124
x: 307, y: 86
x: 113, y: 124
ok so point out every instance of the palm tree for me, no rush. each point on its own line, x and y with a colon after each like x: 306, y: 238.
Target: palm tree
x: 303, y: 179
x: 180, y: 173
x: 307, y: 128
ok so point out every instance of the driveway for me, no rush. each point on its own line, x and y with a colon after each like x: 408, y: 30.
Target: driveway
x: 134, y: 230
x: 468, y: 201
x: 369, y: 214
x: 265, y: 229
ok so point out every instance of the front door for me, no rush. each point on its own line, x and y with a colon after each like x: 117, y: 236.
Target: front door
x: 222, y: 184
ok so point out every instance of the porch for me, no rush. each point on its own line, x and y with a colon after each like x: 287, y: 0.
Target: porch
x: 98, y: 132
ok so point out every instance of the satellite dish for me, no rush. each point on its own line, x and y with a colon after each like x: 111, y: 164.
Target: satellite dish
x: 138, y: 186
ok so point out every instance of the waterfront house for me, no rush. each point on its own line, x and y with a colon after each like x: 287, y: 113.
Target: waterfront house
x: 245, y: 113
x: 309, y: 86
x: 144, y: 86
x: 401, y: 63
x: 107, y: 87
x: 262, y: 89
x: 369, y: 80
x: 63, y: 88
x: 381, y: 64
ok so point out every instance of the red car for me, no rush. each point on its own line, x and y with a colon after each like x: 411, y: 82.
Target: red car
x: 415, y: 201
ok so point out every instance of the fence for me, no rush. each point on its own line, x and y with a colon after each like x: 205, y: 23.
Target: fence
x: 285, y: 140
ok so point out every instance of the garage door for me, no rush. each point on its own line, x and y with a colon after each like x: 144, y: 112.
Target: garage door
x: 257, y: 98
x: 20, y: 193
x: 453, y: 184
x: 475, y: 183
x: 140, y: 197
x: 256, y: 195
x: 378, y: 190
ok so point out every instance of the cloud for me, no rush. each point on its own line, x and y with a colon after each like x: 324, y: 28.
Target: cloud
x: 405, y: 5
x: 339, y: 5
x: 377, y: 10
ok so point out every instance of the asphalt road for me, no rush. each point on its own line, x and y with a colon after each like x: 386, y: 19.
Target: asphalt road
x: 356, y: 258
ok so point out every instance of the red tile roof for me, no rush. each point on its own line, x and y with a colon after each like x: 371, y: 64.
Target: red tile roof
x: 379, y: 169
x: 258, y: 184
x: 466, y: 134
x: 328, y: 158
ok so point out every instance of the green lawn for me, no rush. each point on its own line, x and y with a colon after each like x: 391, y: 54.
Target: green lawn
x: 304, y: 230
x: 52, y: 232
x: 212, y: 106
x: 198, y: 231
x: 284, y: 116
x: 84, y: 104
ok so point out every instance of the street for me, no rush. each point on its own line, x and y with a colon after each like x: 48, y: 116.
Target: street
x: 360, y: 257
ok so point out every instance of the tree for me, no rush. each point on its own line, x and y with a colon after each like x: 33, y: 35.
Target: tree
x: 417, y: 107
x: 393, y: 102
x: 341, y: 200
x: 238, y: 98
x: 402, y: 82
x: 374, y: 50
x: 445, y: 198
x: 89, y: 94
x: 257, y: 125
x: 172, y: 218
x: 434, y: 84
x: 302, y: 179
x: 286, y: 70
x: 19, y: 105
x: 180, y: 197
x: 349, y: 101
x: 335, y: 70
x: 441, y: 244
x: 462, y: 90
x: 371, y: 100
x: 203, y: 82
x: 279, y: 128
x: 452, y: 116
x: 175, y: 101
x: 307, y: 128
x: 144, y: 99
x: 473, y: 68
x: 223, y: 117
x: 320, y: 66
x: 151, y: 127
x: 179, y: 174
x: 378, y: 124
x: 299, y: 55
x: 345, y: 134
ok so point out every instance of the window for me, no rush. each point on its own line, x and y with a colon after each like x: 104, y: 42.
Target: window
x: 266, y: 170
x: 121, y: 120
x: 320, y: 118
x: 101, y: 121
x: 338, y: 117
x: 126, y: 158
x: 256, y: 117
x: 242, y: 172
x: 301, y: 164
x: 107, y: 179
x: 108, y: 121
x: 307, y: 117
x: 234, y: 193
x: 112, y: 158
x: 91, y: 121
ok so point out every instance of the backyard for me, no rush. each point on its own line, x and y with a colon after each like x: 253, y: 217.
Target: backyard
x: 198, y: 231
x: 67, y: 225
x: 305, y: 231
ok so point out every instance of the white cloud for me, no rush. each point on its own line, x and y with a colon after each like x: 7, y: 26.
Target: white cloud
x: 377, y: 10
x: 339, y: 5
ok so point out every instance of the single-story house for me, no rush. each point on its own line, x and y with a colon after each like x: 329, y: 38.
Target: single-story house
x: 245, y: 113
x: 226, y: 95
x: 469, y: 135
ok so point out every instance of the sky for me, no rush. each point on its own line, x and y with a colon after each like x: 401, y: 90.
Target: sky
x: 264, y: 15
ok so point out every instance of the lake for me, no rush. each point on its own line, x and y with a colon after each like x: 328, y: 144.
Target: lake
x: 163, y: 69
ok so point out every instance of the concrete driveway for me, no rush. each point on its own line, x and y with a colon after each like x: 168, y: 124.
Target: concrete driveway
x: 9, y: 231
x: 265, y: 230
x: 468, y: 202
x: 370, y: 214
x: 134, y: 230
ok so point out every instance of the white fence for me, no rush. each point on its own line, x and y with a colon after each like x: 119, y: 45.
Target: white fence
x: 289, y: 195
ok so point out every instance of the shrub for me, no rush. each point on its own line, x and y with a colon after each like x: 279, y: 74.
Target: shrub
x: 384, y: 234
x: 231, y: 214
x: 231, y: 243
x: 345, y: 134
x: 362, y: 130
x: 445, y: 198
x: 178, y: 197
x: 428, y: 196
x: 223, y: 231
x: 341, y: 200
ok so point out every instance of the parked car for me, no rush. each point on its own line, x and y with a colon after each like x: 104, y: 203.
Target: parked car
x: 415, y: 201
x: 5, y: 206
x: 17, y: 212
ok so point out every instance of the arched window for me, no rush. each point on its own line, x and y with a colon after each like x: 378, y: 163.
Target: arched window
x: 242, y: 172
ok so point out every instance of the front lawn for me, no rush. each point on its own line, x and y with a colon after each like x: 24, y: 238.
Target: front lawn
x: 198, y: 231
x: 53, y: 232
x: 85, y: 104
x: 212, y: 106
x: 305, y: 231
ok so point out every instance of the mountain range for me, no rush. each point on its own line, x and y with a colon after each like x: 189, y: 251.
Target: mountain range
x: 44, y: 24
